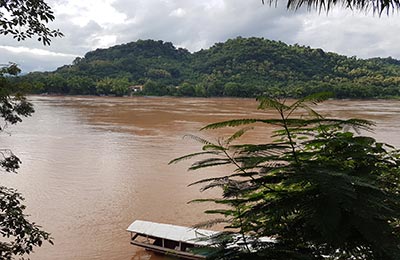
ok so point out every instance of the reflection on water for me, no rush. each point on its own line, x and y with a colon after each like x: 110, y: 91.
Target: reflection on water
x: 147, y: 255
x: 92, y: 165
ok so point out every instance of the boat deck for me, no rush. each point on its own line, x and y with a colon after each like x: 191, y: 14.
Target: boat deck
x: 169, y: 239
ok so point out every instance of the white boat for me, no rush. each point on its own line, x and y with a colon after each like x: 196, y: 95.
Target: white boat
x: 170, y: 239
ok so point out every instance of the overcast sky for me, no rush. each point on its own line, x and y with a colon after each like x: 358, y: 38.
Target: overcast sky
x: 194, y: 24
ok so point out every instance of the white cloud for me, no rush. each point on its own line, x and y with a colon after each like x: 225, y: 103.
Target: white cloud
x: 103, y: 41
x: 81, y: 12
x: 178, y: 12
x: 214, y: 4
x: 352, y: 33
x: 91, y: 24
x: 35, y: 51
x: 34, y: 60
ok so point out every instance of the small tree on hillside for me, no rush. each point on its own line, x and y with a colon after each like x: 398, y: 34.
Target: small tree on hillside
x: 319, y: 189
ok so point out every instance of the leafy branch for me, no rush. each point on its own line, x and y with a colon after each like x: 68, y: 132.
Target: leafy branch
x: 318, y: 188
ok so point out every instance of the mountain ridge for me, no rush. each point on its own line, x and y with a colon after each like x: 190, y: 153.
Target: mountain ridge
x: 243, y: 67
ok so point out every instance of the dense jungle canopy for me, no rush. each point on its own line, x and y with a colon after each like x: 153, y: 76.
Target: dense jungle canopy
x: 240, y: 67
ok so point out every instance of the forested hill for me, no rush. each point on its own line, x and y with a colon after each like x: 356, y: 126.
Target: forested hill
x: 244, y: 67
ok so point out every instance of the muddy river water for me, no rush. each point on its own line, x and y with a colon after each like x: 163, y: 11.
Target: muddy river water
x: 92, y: 165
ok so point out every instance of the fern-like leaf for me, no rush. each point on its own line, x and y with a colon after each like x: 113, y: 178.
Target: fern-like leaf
x: 190, y: 156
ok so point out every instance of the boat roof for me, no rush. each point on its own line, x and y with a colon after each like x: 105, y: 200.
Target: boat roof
x: 172, y: 232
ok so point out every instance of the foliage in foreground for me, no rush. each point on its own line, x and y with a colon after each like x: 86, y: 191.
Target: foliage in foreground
x: 321, y: 190
x: 18, y: 235
x: 378, y: 6
x: 27, y: 18
x: 22, y: 19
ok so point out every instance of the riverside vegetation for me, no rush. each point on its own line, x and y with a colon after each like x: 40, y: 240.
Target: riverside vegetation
x: 241, y: 67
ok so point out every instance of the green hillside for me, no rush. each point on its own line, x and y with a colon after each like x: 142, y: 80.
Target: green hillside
x: 244, y: 67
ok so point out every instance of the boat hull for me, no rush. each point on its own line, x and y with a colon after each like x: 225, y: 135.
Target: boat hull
x: 168, y: 251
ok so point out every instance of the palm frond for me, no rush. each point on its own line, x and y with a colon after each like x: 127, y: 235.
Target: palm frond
x: 378, y: 6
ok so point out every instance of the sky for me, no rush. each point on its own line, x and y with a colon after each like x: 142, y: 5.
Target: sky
x: 194, y: 25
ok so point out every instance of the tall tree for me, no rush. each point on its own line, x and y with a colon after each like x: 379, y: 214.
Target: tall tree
x: 23, y: 19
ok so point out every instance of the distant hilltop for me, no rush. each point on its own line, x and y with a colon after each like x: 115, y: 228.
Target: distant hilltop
x: 240, y: 67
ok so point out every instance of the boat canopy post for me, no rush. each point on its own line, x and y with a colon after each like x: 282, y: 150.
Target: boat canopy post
x: 133, y: 237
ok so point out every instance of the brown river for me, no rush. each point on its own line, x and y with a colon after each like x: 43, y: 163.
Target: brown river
x: 92, y: 165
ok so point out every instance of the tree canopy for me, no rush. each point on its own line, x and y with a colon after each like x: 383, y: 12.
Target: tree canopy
x: 240, y: 67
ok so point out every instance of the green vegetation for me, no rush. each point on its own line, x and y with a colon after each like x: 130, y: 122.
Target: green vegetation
x: 241, y: 67
x: 27, y: 18
x: 322, y: 191
x: 19, y: 236
x: 378, y: 6
x: 22, y: 19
